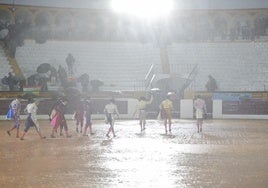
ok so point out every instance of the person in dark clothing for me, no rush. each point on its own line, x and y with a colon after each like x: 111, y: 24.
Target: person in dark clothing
x: 79, y: 116
x: 62, y: 76
x: 87, y: 115
x: 10, y: 81
x: 211, y: 84
x: 58, y: 119
x: 70, y: 63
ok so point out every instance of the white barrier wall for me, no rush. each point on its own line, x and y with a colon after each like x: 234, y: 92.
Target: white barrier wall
x: 186, y: 109
x: 217, y: 113
x: 217, y: 109
x: 131, y: 108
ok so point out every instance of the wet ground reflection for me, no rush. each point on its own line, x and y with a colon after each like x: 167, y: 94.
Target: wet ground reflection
x: 227, y: 154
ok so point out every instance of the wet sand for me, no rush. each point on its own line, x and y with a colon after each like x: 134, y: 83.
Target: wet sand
x: 229, y: 153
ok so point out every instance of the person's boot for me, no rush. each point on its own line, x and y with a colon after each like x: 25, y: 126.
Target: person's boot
x: 41, y: 137
x: 22, y: 137
x: 67, y: 134
x: 52, y: 134
x: 18, y: 134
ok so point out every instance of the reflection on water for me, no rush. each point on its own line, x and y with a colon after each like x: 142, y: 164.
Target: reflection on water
x: 222, y: 156
x: 145, y: 162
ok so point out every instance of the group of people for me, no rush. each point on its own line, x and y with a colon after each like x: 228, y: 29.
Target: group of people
x: 165, y: 113
x: 31, y: 120
x: 83, y: 116
x: 57, y: 117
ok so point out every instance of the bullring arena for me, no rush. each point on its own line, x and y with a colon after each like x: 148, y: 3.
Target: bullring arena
x: 229, y: 153
x: 137, y: 54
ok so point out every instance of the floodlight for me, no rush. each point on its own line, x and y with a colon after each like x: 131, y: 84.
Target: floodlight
x: 144, y: 9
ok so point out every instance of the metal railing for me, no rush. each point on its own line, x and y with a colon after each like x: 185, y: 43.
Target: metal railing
x: 149, y: 77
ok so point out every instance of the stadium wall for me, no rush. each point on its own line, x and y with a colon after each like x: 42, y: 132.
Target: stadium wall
x: 187, y: 111
x: 225, y: 105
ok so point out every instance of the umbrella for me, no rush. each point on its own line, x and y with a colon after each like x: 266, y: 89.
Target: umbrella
x: 84, y: 78
x: 33, y: 79
x: 71, y: 92
x: 163, y: 84
x: 4, y: 80
x: 43, y: 68
x: 96, y: 84
x: 53, y: 70
x: 19, y: 78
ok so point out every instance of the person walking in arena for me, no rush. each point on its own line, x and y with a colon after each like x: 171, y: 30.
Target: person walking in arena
x: 141, y: 110
x: 58, y: 119
x: 166, y: 108
x: 200, y: 111
x: 79, y: 116
x: 31, y: 121
x: 14, y: 113
x: 87, y: 116
x: 110, y: 111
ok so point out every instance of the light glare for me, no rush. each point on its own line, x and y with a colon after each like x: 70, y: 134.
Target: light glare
x: 146, y: 9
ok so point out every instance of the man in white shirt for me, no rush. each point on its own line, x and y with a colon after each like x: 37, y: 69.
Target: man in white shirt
x: 200, y: 111
x: 110, y: 111
x: 31, y: 121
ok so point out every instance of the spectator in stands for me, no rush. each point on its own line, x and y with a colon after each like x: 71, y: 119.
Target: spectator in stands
x: 62, y: 76
x: 43, y: 84
x: 10, y: 81
x: 70, y: 63
x: 200, y: 112
x: 53, y: 75
x: 84, y: 80
x: 21, y: 85
x: 211, y: 84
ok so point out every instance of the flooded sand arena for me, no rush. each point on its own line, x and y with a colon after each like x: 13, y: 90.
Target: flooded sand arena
x: 229, y: 153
